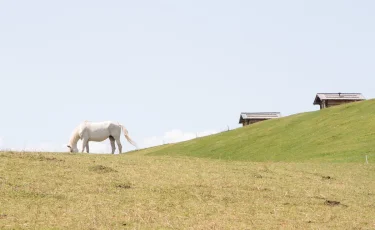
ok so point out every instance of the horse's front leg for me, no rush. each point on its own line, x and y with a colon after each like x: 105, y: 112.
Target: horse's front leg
x: 112, y: 140
x: 85, y: 142
x: 87, y: 147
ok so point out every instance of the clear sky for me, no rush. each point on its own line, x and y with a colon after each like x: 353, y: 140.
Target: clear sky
x: 168, y: 69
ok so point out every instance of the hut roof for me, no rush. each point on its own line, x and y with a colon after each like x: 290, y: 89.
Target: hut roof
x: 259, y: 115
x: 337, y: 96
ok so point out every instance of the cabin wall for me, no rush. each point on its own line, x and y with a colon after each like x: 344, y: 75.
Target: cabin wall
x: 245, y: 122
x: 251, y: 121
x: 330, y: 103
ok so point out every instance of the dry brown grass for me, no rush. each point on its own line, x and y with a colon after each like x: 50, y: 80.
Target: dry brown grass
x: 82, y: 191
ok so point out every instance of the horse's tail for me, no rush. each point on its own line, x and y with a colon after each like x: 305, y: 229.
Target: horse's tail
x: 126, y: 134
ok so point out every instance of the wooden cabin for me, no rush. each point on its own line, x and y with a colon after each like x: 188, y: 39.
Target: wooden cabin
x: 326, y: 100
x: 251, y: 118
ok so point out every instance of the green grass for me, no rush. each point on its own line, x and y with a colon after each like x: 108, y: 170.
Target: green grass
x: 344, y: 133
x: 90, y: 191
x: 305, y: 171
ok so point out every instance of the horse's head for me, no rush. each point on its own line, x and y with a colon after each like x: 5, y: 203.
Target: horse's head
x: 72, y: 150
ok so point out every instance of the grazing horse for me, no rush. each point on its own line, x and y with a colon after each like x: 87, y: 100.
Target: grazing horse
x: 98, y: 131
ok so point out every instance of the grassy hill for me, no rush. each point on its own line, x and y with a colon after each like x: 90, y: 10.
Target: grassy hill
x: 344, y: 133
x: 165, y: 188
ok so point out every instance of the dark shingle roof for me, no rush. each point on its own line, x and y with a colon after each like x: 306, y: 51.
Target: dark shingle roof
x: 259, y: 115
x: 338, y: 96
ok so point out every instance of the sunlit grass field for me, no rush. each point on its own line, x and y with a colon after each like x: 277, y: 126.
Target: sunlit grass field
x: 82, y: 191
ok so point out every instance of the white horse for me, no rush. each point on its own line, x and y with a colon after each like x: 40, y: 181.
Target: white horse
x: 98, y: 131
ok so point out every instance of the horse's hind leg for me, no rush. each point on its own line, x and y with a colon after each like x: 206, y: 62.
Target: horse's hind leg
x: 119, y: 145
x: 112, y: 140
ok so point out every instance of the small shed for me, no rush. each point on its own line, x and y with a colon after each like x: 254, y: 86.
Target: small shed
x: 325, y: 100
x: 251, y: 118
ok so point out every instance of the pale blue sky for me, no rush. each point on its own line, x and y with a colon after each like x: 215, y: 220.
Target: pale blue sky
x: 159, y: 66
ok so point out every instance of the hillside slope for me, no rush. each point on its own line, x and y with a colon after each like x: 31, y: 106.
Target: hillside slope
x: 344, y: 133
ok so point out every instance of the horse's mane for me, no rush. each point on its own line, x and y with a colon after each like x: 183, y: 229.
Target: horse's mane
x: 74, y: 137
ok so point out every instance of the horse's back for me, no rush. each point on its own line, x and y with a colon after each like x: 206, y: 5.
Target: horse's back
x: 99, y: 131
x: 98, y: 124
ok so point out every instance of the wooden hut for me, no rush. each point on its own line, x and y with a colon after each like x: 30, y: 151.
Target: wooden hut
x: 325, y: 100
x: 251, y: 118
